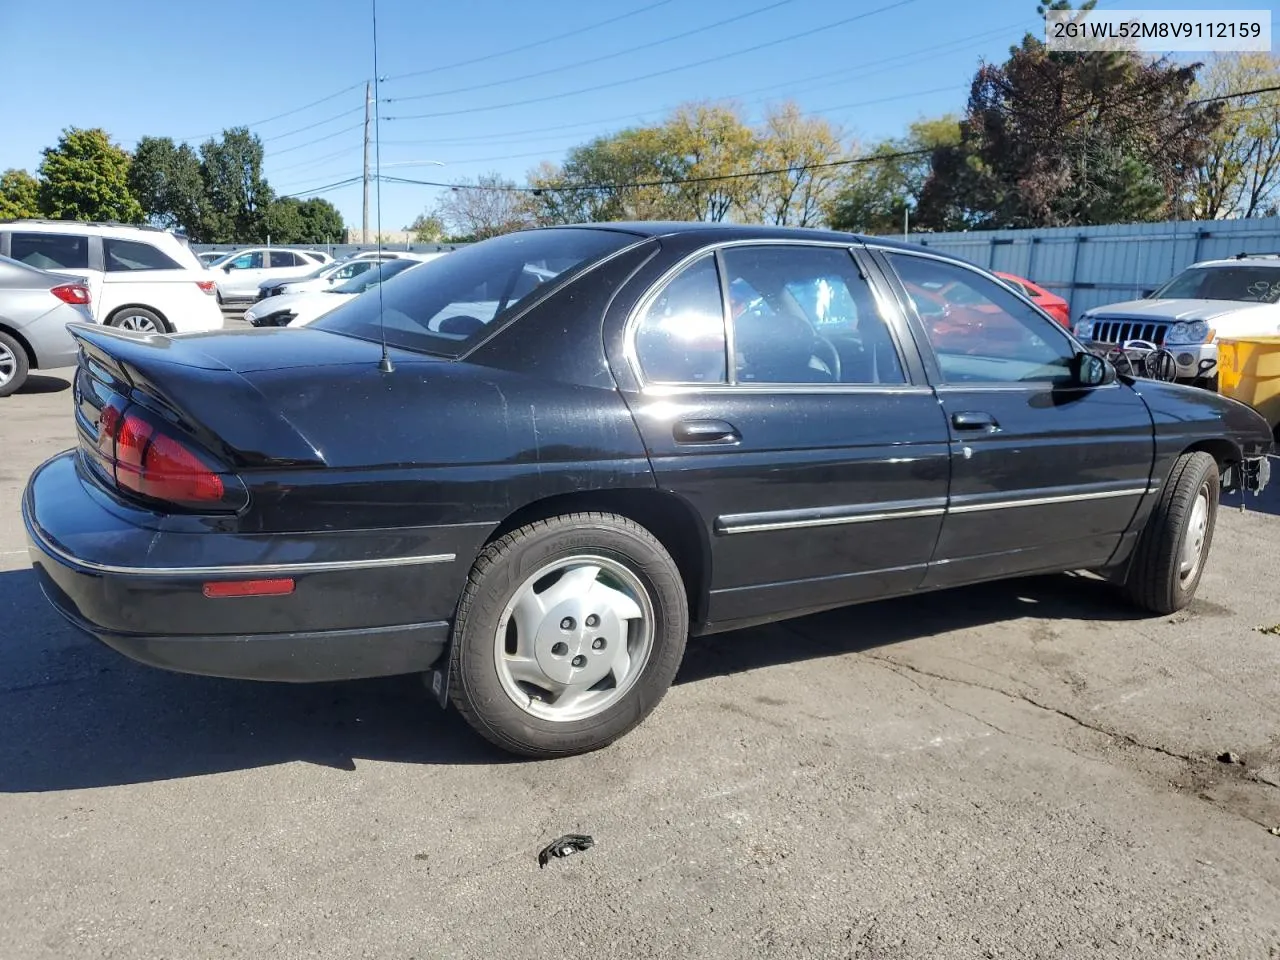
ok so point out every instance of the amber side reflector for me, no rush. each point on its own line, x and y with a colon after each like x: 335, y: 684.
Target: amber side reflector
x: 248, y: 588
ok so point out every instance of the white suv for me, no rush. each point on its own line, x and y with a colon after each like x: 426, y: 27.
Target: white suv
x: 1186, y: 316
x: 141, y: 278
x: 240, y: 273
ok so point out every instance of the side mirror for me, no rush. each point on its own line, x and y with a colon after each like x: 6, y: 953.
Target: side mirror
x: 227, y: 268
x: 1091, y: 370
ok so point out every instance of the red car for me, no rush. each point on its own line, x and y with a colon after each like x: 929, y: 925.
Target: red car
x: 1050, y: 303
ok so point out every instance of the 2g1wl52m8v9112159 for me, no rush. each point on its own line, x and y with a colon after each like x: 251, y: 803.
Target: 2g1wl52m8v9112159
x: 595, y: 441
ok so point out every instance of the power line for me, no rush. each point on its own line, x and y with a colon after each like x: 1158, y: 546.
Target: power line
x: 314, y: 160
x: 281, y: 116
x: 312, y: 126
x: 675, y: 181
x: 528, y: 46
x: 1232, y: 96
x: 324, y: 188
x: 660, y: 73
x: 328, y: 136
x: 862, y: 69
x: 584, y: 63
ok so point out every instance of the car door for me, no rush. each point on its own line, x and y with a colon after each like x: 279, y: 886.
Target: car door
x: 1045, y: 474
x: 74, y: 254
x: 775, y: 399
x: 241, y: 276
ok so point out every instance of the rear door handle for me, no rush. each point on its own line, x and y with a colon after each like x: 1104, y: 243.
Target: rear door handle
x: 705, y: 431
x: 971, y: 420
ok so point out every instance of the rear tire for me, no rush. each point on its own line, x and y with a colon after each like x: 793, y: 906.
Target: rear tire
x: 14, y: 365
x: 1173, y: 547
x: 568, y: 634
x: 139, y: 319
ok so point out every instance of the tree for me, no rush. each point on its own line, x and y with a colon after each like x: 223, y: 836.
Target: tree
x: 18, y: 195
x: 321, y: 221
x: 237, y: 196
x: 709, y: 147
x: 427, y: 228
x: 804, y: 147
x: 165, y: 179
x: 485, y: 207
x: 1240, y: 171
x: 873, y: 197
x: 86, y: 177
x: 1059, y: 139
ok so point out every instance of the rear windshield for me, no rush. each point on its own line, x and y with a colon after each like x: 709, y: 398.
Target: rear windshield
x: 1248, y: 284
x: 448, y: 304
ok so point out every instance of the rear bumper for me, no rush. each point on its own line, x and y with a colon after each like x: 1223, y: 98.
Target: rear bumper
x: 345, y: 619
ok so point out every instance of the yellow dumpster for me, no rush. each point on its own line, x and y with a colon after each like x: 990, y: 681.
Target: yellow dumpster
x: 1249, y: 371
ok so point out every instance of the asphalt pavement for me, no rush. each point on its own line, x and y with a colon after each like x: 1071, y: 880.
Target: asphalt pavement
x: 1026, y: 769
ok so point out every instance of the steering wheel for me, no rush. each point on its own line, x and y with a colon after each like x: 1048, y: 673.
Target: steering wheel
x: 833, y: 356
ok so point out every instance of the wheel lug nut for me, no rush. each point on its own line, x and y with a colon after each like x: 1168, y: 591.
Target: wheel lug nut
x: 597, y: 643
x: 593, y: 620
x: 567, y: 623
x: 559, y: 649
x: 579, y: 661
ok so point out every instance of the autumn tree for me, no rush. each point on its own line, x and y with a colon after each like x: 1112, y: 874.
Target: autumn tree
x: 873, y: 197
x: 485, y: 207
x: 1240, y: 171
x: 805, y: 150
x: 1058, y: 139
x: 86, y: 177
x: 18, y: 195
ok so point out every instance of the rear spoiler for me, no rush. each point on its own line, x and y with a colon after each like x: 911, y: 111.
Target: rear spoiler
x: 205, y: 396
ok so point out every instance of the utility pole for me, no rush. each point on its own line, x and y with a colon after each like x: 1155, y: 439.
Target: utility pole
x: 368, y: 119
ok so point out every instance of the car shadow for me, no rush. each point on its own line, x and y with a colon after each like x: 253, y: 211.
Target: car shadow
x: 38, y: 383
x: 76, y: 714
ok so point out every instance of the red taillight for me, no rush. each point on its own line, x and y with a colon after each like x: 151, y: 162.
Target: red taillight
x: 74, y: 293
x: 145, y: 459
x: 248, y: 588
x: 208, y: 286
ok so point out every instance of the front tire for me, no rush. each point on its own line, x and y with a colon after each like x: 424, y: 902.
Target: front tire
x: 569, y: 632
x: 1173, y: 547
x: 14, y: 365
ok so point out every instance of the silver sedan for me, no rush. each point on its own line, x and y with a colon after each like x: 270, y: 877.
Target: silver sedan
x: 35, y: 308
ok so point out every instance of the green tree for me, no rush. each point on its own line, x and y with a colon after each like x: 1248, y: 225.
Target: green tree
x: 166, y: 181
x: 321, y: 221
x: 237, y: 196
x: 705, y: 143
x: 1240, y: 172
x: 18, y: 195
x: 873, y: 197
x: 1059, y: 139
x: 284, y: 223
x: 86, y: 177
x: 427, y: 228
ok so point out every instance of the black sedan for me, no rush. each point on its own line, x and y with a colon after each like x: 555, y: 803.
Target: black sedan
x: 531, y: 469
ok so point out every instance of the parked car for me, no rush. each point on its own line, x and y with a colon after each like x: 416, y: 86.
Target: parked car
x: 334, y: 273
x: 210, y: 256
x: 35, y: 308
x: 240, y: 273
x: 299, y: 309
x: 139, y: 278
x: 531, y: 469
x: 1052, y: 304
x: 1187, y: 315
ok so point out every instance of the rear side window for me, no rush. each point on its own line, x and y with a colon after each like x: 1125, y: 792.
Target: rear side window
x: 51, y: 251
x: 680, y: 338
x: 284, y: 258
x: 124, y: 255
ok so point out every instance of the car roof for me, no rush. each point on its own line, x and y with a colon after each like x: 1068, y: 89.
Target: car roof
x: 1255, y: 259
x: 721, y: 232
x: 105, y: 227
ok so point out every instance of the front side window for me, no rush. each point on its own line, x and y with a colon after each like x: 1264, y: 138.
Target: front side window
x: 980, y: 331
x: 51, y: 251
x: 247, y: 261
x: 680, y: 337
x: 1247, y: 284
x: 449, y: 304
x: 804, y: 314
x: 125, y: 255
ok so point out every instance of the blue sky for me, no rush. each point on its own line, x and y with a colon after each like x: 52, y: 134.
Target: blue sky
x: 160, y: 67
